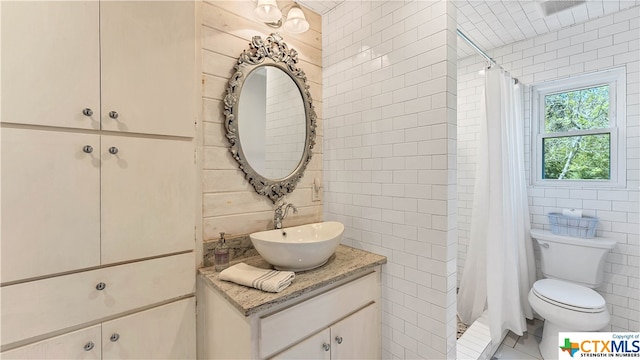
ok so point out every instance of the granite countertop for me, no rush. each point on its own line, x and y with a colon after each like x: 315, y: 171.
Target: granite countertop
x: 345, y: 262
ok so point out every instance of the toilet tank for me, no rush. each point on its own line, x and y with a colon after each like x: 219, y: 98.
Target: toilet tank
x: 576, y: 260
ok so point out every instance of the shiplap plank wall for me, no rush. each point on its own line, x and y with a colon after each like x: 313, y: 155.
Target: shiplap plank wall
x: 230, y: 203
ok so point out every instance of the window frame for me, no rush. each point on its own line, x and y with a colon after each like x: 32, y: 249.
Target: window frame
x: 616, y: 79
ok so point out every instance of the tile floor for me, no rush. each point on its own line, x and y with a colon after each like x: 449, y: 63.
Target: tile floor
x: 523, y: 347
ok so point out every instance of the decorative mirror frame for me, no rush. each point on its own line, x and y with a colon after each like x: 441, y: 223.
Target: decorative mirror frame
x: 274, y: 50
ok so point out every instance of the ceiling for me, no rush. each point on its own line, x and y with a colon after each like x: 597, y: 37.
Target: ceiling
x: 494, y: 23
x: 321, y: 6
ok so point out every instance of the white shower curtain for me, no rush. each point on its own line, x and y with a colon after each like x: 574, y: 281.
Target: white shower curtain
x: 499, y: 269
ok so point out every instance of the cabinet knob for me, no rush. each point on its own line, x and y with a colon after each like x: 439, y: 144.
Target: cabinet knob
x: 114, y: 337
x: 113, y: 114
x: 326, y: 347
x: 88, y: 149
x: 101, y: 286
x: 113, y: 150
x: 87, y: 112
x: 339, y: 339
x: 88, y: 346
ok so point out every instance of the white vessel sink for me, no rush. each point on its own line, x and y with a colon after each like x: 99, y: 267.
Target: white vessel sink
x: 299, y: 248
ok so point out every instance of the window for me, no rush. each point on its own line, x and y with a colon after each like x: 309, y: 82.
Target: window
x: 578, y: 125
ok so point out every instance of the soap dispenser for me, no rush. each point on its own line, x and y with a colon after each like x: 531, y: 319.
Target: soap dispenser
x: 221, y: 254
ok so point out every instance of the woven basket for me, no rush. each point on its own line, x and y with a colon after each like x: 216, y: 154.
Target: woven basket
x: 584, y: 227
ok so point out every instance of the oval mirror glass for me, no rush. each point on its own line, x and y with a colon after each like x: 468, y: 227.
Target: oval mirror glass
x: 271, y: 122
x: 269, y: 117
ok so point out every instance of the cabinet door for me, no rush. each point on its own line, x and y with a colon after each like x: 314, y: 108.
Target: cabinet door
x: 165, y: 332
x: 316, y: 347
x: 82, y: 344
x: 50, y: 202
x: 148, y: 66
x: 148, y: 190
x: 50, y: 63
x: 358, y: 336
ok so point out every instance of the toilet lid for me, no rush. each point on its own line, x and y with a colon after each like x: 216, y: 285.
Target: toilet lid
x: 575, y: 296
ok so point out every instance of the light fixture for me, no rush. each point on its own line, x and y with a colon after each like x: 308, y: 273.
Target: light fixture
x: 295, y: 23
x: 268, y: 11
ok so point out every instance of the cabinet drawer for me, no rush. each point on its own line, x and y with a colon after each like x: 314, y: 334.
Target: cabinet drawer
x: 163, y: 332
x: 284, y: 328
x: 82, y: 344
x: 39, y: 307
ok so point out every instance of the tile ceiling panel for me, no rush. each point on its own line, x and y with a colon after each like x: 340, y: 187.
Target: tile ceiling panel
x: 321, y: 6
x: 492, y: 24
x: 495, y: 23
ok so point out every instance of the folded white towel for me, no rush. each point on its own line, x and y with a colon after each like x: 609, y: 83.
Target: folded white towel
x: 262, y: 279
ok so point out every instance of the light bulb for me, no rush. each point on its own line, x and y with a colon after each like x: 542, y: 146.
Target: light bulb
x: 268, y: 11
x: 296, y: 22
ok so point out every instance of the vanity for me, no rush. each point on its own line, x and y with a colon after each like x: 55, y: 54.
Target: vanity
x: 331, y: 312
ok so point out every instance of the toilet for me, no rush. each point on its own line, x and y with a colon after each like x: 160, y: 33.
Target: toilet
x: 572, y: 267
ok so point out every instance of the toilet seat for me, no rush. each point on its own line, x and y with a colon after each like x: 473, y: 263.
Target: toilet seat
x: 569, y: 296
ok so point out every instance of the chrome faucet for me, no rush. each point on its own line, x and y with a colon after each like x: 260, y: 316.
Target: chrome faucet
x: 281, y: 212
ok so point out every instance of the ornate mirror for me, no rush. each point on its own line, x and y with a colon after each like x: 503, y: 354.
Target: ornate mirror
x: 269, y: 117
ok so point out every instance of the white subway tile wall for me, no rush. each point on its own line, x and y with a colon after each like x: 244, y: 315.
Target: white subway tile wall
x: 389, y: 159
x: 610, y: 41
x: 285, y: 125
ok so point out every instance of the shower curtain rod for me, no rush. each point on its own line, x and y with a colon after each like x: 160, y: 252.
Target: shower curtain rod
x: 480, y: 51
x: 475, y: 47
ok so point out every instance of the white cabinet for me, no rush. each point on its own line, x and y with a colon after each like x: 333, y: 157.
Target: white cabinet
x: 147, y: 198
x: 163, y: 332
x: 316, y: 347
x: 356, y: 337
x: 82, y: 344
x: 98, y: 178
x: 50, y: 203
x: 135, y: 59
x: 148, y: 63
x: 65, y: 207
x: 340, y: 321
x: 36, y: 308
x: 166, y: 332
x: 50, y: 48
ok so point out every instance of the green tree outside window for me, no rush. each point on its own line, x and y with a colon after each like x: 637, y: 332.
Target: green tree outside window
x: 584, y: 156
